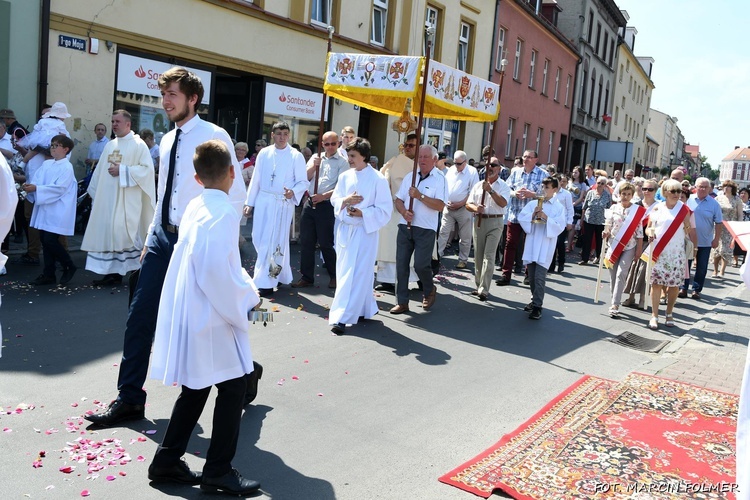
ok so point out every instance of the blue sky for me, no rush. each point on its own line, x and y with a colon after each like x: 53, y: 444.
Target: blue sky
x: 701, y: 70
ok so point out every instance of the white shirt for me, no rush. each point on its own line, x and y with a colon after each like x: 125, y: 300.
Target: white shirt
x: 185, y: 187
x: 5, y: 143
x: 566, y: 200
x: 432, y: 186
x: 490, y: 207
x: 460, y: 183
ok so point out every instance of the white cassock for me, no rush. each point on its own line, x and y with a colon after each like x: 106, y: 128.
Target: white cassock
x: 275, y: 169
x: 743, y: 419
x: 541, y: 239
x: 8, y: 202
x: 55, y: 198
x: 394, y: 172
x: 201, y: 334
x: 357, y: 243
x: 122, y: 208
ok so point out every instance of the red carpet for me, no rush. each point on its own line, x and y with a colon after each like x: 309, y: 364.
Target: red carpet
x: 645, y: 437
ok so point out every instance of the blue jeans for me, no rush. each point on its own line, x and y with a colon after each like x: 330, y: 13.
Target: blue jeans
x: 701, y: 268
x: 141, y: 324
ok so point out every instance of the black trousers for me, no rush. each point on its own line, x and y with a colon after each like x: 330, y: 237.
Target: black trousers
x: 591, y: 231
x: 559, y: 256
x: 53, y: 252
x: 316, y: 227
x: 225, y: 427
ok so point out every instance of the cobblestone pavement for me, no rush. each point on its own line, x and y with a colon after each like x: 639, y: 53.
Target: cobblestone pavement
x: 712, y: 353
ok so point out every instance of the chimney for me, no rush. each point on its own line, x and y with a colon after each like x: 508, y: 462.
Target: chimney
x: 736, y: 147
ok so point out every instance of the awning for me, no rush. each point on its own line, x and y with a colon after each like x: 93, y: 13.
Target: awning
x: 384, y: 83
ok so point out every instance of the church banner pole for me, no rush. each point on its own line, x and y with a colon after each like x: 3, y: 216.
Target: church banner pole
x: 321, y: 126
x: 425, y: 75
x: 486, y: 171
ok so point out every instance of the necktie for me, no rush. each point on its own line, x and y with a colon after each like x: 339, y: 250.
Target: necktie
x: 170, y: 181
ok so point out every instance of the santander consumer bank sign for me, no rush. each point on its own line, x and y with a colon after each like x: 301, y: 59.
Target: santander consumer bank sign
x: 291, y: 101
x: 141, y: 76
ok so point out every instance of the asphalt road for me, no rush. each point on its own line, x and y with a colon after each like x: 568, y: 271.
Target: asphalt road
x: 380, y: 412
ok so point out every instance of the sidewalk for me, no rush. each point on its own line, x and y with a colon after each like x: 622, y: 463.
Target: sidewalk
x: 712, y: 353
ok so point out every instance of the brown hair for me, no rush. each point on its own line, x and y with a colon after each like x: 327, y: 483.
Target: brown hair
x: 190, y: 84
x: 731, y: 184
x: 64, y: 141
x: 212, y: 161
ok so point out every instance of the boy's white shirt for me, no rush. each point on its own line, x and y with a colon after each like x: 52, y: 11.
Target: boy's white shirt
x: 202, y: 328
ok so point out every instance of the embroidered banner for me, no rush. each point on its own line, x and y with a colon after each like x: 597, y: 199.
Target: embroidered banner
x: 380, y: 83
x: 384, y: 83
x: 459, y: 95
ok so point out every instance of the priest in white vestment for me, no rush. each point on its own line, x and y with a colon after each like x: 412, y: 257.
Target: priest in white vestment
x: 123, y: 192
x: 542, y: 224
x: 394, y: 172
x: 8, y: 202
x: 362, y: 204
x: 277, y: 186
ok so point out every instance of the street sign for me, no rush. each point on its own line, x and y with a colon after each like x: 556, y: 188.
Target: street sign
x: 71, y: 42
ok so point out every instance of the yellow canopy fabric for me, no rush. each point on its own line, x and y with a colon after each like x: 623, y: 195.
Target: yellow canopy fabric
x: 384, y: 83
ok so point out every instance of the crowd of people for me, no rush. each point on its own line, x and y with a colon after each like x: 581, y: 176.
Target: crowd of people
x: 176, y: 233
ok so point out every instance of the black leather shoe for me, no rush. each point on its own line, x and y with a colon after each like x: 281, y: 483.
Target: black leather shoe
x: 177, y: 473
x: 385, y: 287
x: 503, y: 281
x: 67, y: 274
x: 252, y: 383
x: 231, y: 483
x: 118, y: 411
x: 108, y: 280
x: 44, y: 280
x: 338, y: 328
x: 265, y: 292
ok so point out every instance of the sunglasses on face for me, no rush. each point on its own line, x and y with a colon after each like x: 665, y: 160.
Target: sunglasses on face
x: 674, y: 191
x: 330, y: 144
x: 601, y: 183
x: 649, y: 189
x: 494, y: 164
x: 459, y: 162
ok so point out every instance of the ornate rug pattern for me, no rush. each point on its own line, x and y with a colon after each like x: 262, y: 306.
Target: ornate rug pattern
x: 645, y: 437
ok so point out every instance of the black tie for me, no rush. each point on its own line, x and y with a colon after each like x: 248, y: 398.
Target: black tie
x: 170, y: 182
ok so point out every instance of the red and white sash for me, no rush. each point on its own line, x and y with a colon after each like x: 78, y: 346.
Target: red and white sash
x: 623, y: 236
x: 679, y: 212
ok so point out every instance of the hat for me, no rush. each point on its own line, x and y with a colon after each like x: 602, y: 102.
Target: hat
x: 7, y: 113
x: 58, y: 110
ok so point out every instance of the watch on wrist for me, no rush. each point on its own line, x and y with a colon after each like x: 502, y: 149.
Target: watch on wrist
x: 492, y: 191
x: 421, y: 196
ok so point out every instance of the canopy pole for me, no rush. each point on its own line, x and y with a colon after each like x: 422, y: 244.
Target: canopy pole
x: 322, y: 118
x: 425, y: 75
x: 487, y: 158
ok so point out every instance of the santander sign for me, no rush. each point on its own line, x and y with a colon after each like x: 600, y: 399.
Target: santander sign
x: 141, y: 76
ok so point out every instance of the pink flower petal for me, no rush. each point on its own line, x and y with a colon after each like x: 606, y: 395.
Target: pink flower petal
x: 123, y: 473
x: 74, y: 404
x: 7, y: 429
x: 320, y: 394
x: 140, y: 458
x: 67, y: 469
x: 281, y: 381
x: 85, y: 493
x: 36, y: 464
x: 111, y: 478
x: 295, y: 377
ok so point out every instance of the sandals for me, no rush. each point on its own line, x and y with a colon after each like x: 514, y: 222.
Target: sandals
x: 629, y: 302
x: 663, y: 301
x: 669, y: 321
x: 614, y: 312
x: 653, y: 323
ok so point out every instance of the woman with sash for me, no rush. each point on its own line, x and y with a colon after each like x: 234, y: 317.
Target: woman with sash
x: 624, y: 232
x: 636, y: 280
x: 668, y: 224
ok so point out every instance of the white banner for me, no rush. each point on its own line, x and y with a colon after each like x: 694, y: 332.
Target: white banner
x: 141, y: 76
x: 294, y: 102
x: 462, y: 92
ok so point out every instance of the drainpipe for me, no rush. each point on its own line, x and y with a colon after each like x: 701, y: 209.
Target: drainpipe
x: 43, y: 56
x: 485, y: 130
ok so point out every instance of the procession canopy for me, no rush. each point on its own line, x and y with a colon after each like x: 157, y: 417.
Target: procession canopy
x: 384, y: 83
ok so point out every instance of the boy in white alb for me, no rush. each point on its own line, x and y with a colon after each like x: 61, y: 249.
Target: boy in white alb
x: 53, y: 194
x: 201, y: 331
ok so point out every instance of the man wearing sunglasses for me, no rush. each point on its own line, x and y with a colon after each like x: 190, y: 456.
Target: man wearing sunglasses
x: 708, y: 226
x: 394, y: 171
x: 316, y: 223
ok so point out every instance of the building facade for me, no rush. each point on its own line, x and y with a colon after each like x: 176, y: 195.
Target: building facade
x: 736, y: 167
x: 632, y: 99
x: 537, y: 92
x: 594, y: 25
x: 664, y: 130
x: 260, y: 60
